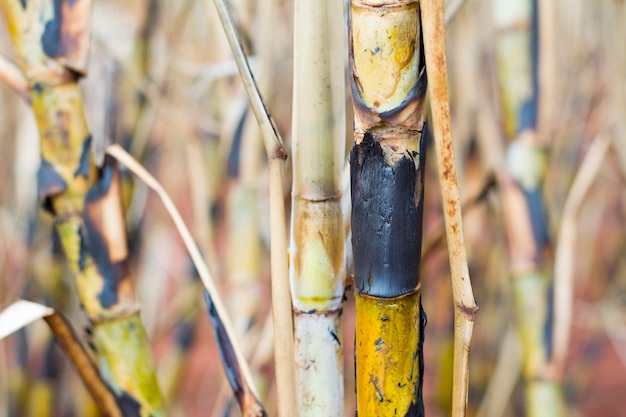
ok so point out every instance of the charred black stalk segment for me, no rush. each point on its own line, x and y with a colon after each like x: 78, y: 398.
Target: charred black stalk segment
x: 387, y: 220
x: 387, y: 177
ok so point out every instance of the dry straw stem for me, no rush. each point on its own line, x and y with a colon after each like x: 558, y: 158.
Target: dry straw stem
x: 249, y: 403
x: 281, y: 294
x: 22, y: 312
x: 465, y: 307
x: 565, y: 257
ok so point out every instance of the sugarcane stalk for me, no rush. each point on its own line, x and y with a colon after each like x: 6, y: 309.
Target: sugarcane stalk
x: 317, y: 267
x: 387, y: 185
x: 524, y: 212
x: 50, y: 40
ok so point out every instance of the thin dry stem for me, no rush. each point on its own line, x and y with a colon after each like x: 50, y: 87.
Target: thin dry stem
x: 281, y: 293
x: 565, y: 258
x: 464, y: 304
x: 273, y: 142
x: 68, y: 341
x: 281, y: 297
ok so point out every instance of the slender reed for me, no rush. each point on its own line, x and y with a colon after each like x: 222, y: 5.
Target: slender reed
x: 276, y: 155
x: 465, y: 307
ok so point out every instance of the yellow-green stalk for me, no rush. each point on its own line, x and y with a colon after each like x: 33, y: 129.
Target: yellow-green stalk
x: 317, y: 267
x: 524, y: 212
x: 387, y: 171
x: 50, y: 40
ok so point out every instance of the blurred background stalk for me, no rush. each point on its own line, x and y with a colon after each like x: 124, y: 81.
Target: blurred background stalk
x: 521, y: 184
x: 51, y: 43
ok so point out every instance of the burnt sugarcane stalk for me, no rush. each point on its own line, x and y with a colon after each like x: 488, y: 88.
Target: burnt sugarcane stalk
x: 387, y: 177
x: 524, y: 212
x: 50, y: 39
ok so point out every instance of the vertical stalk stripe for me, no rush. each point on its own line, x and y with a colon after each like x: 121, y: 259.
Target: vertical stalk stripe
x: 105, y: 237
x: 525, y: 217
x: 319, y: 355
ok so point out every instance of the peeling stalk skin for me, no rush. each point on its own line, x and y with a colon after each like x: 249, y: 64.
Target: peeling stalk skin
x: 50, y: 39
x: 387, y: 170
